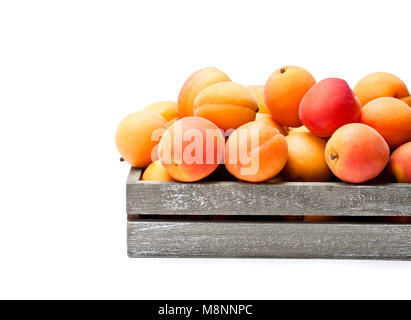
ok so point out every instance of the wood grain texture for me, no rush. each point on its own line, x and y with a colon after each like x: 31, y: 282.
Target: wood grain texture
x: 269, y: 240
x: 290, y: 198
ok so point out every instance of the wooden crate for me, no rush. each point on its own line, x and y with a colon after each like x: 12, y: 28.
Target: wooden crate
x: 238, y: 219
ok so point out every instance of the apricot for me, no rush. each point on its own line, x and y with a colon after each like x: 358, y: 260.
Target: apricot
x: 255, y: 152
x: 194, y: 84
x: 137, y: 135
x: 156, y: 172
x: 329, y: 105
x: 174, y: 120
x: 227, y: 104
x: 283, y: 92
x: 298, y: 129
x: 400, y: 163
x: 167, y: 109
x: 391, y: 118
x: 269, y: 120
x: 380, y: 84
x: 258, y: 92
x: 306, y: 161
x: 191, y: 149
x: 356, y: 153
x: 407, y: 100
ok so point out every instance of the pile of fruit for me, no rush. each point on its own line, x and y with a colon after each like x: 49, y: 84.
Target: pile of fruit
x: 291, y: 129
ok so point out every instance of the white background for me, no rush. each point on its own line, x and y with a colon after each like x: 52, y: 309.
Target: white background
x: 71, y: 70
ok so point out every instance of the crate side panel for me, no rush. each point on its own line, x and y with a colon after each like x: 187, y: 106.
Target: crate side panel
x: 269, y: 240
x: 134, y: 175
x: 228, y: 198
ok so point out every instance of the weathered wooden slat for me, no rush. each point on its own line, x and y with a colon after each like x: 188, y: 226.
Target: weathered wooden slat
x: 238, y: 198
x: 135, y: 175
x: 269, y: 240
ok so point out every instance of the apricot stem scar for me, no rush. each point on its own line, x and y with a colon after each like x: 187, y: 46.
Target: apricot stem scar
x: 333, y: 156
x: 282, y: 70
x: 121, y: 159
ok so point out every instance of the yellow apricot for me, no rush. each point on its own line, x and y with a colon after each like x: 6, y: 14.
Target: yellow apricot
x: 167, y: 109
x: 134, y: 136
x: 194, y: 84
x: 156, y: 172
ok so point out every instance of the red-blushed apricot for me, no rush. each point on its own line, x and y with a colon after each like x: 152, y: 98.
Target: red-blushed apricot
x: 269, y: 120
x: 329, y: 105
x: 380, y: 84
x: 400, y: 163
x: 255, y: 152
x: 167, y: 109
x: 258, y: 92
x: 356, y: 153
x: 137, y: 135
x: 156, y: 172
x: 227, y: 104
x: 194, y: 84
x: 283, y: 92
x: 391, y: 118
x: 306, y: 161
x: 191, y: 149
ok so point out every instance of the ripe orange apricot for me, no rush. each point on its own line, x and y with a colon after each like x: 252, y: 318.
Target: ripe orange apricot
x: 227, y: 104
x: 137, y: 135
x: 306, y: 161
x: 255, y: 152
x: 283, y: 92
x: 380, y: 84
x: 258, y: 92
x: 167, y: 109
x: 194, y: 84
x: 391, y: 118
x: 407, y: 100
x: 191, y: 149
x: 356, y: 153
x: 269, y: 120
x: 156, y: 172
x: 400, y: 163
x: 174, y: 120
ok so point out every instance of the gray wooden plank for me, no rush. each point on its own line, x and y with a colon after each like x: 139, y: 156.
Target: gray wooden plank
x: 290, y: 198
x: 134, y: 175
x: 269, y: 240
